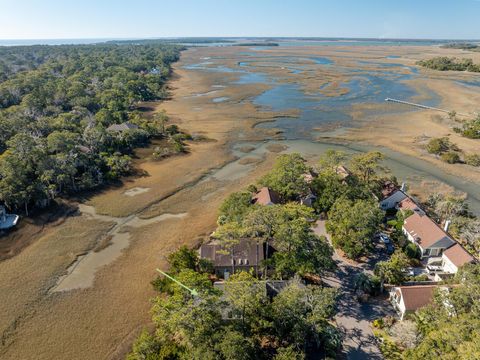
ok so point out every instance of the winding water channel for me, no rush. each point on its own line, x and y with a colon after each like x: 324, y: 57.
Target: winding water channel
x: 370, y: 85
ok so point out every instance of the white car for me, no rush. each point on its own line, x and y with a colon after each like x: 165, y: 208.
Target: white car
x: 385, y: 239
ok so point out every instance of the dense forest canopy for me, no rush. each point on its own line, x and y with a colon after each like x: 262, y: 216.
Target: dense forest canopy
x: 56, y: 103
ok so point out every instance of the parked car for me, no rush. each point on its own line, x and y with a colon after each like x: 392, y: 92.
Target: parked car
x: 384, y: 238
x: 390, y: 248
x: 434, y: 268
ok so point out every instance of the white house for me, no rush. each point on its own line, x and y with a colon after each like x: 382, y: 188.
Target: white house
x: 408, y: 299
x: 455, y: 257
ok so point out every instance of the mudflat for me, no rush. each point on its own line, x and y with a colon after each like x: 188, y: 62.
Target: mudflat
x: 271, y: 101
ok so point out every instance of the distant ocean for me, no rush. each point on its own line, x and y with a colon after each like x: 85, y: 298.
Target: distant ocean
x: 231, y: 41
x: 25, y: 42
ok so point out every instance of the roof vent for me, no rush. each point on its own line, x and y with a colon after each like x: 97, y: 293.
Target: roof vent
x: 447, y: 225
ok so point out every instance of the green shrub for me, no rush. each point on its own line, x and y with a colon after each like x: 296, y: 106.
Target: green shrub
x: 438, y: 146
x: 412, y: 251
x: 378, y: 323
x: 472, y: 159
x: 421, y: 277
x: 450, y: 157
x: 390, y: 350
x: 471, y: 129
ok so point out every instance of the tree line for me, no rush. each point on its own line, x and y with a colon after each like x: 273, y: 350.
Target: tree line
x: 56, y: 103
x: 443, y: 63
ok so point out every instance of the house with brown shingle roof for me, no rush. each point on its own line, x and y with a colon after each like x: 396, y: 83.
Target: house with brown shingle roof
x: 455, y: 257
x: 426, y: 234
x: 408, y: 299
x: 409, y: 204
x: 248, y: 254
x: 266, y: 196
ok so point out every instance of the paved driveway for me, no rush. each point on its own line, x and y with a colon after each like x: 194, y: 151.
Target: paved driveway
x: 352, y: 317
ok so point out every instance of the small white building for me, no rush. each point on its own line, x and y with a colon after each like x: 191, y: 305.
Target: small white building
x: 455, y: 257
x: 391, y: 196
x: 407, y: 299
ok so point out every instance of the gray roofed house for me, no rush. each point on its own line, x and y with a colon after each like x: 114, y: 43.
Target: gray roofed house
x: 122, y: 127
x: 247, y: 254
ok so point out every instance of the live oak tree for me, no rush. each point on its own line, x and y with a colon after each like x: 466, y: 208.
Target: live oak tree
x: 392, y: 271
x: 330, y: 160
x: 301, y: 316
x: 289, y: 353
x: 229, y: 235
x: 248, y: 300
x: 329, y: 187
x: 288, y: 229
x: 235, y: 207
x: 287, y: 177
x: 353, y: 224
x: 367, y: 165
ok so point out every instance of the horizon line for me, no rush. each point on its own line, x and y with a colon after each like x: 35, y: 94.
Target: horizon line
x: 242, y: 37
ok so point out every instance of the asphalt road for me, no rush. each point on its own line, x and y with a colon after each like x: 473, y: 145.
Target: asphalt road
x: 354, y: 318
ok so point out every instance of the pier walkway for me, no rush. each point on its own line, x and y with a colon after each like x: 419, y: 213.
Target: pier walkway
x: 422, y: 106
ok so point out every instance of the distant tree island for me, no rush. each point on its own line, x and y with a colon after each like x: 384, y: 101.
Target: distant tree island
x: 443, y: 63
x: 461, y: 45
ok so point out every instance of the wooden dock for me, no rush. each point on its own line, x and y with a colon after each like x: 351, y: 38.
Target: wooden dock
x: 416, y: 105
x: 422, y: 106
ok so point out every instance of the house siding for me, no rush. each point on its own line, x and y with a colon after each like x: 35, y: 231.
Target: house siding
x: 448, y: 266
x: 398, y: 304
x: 221, y: 270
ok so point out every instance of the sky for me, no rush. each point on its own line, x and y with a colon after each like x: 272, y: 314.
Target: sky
x: 75, y: 19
